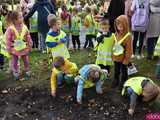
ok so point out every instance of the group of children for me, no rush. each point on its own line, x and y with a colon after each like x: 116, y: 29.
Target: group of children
x: 112, y: 49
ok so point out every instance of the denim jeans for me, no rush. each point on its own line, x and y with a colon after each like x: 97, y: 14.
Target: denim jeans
x: 42, y: 39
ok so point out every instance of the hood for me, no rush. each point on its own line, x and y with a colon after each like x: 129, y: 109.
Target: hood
x: 124, y: 21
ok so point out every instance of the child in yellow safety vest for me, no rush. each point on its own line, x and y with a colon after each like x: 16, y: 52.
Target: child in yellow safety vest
x: 140, y: 87
x: 63, y: 71
x: 33, y: 28
x: 56, y: 38
x: 75, y: 28
x: 19, y: 44
x: 105, y: 42
x: 122, y: 50
x: 90, y: 27
x: 66, y: 23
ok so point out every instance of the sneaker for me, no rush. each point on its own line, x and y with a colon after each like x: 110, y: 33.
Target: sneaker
x: 27, y: 76
x: 142, y: 56
x: 16, y: 76
x: 133, y: 56
x: 138, y: 57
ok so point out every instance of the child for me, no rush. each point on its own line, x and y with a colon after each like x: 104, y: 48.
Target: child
x: 89, y: 75
x: 90, y: 26
x: 104, y: 47
x: 19, y: 44
x: 63, y: 71
x: 56, y: 38
x: 66, y: 23
x: 75, y: 28
x: 140, y: 87
x: 122, y: 50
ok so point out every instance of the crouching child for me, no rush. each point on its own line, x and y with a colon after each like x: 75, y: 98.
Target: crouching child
x: 89, y: 76
x: 141, y: 87
x: 63, y: 71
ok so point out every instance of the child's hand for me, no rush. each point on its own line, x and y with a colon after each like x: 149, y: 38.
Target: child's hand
x: 53, y: 93
x: 130, y: 112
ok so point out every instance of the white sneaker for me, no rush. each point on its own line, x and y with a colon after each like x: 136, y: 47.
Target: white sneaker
x: 138, y: 57
x: 133, y: 56
x: 142, y: 56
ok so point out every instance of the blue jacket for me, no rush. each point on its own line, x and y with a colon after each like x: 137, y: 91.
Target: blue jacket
x: 42, y: 14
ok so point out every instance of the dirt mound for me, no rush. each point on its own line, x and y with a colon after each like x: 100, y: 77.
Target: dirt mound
x: 37, y: 104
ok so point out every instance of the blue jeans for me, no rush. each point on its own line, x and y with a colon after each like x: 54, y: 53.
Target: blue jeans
x: 67, y: 40
x: 42, y: 39
x: 61, y: 77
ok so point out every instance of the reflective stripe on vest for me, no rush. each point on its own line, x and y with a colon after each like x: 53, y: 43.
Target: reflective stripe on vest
x: 118, y: 48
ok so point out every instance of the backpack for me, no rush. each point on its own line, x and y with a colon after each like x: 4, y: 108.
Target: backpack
x: 140, y: 17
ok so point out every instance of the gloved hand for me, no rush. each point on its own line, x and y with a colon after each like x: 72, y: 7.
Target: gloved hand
x: 100, y: 39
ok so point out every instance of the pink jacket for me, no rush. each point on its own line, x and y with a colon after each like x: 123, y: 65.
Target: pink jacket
x: 10, y: 37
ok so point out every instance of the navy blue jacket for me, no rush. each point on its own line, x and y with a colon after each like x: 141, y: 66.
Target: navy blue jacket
x: 42, y: 14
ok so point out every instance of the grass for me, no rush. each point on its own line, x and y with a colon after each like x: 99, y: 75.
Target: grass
x: 41, y: 71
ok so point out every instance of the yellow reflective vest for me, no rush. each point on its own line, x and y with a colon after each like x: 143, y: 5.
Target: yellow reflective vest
x: 135, y: 84
x: 91, y: 25
x: 3, y: 49
x: 157, y: 48
x: 60, y: 49
x: 34, y: 23
x: 19, y: 44
x: 104, y: 51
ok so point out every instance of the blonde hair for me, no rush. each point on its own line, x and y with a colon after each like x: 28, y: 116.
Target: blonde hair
x: 52, y: 20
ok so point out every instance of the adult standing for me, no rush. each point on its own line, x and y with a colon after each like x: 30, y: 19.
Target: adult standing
x: 139, y: 21
x: 154, y: 27
x: 116, y: 8
x: 44, y: 8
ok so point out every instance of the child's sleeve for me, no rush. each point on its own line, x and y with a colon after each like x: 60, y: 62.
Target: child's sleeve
x: 133, y: 98
x: 29, y: 40
x: 63, y: 38
x: 80, y: 90
x: 9, y: 36
x: 128, y: 51
x: 53, y: 80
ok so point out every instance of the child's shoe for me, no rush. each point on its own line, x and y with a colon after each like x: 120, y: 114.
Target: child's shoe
x: 16, y: 76
x: 27, y: 75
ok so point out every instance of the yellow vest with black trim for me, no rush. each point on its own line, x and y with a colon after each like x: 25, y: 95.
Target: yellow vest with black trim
x: 60, y: 49
x: 19, y: 43
x: 135, y: 84
x: 104, y: 51
x: 91, y: 27
x: 34, y: 23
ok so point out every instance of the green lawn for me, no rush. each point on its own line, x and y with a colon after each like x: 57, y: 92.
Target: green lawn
x: 41, y: 72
